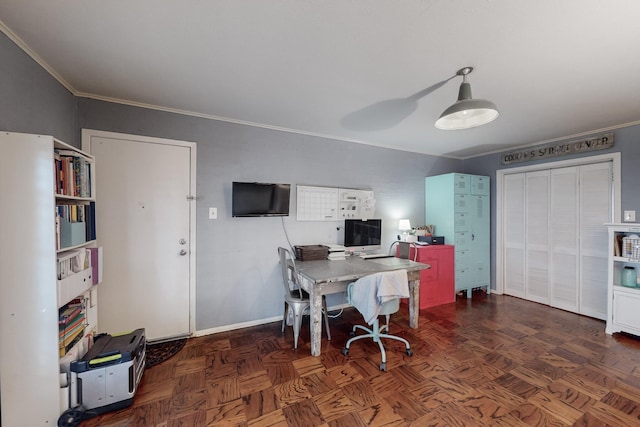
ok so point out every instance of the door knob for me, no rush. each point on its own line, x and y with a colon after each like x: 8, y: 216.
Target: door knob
x: 183, y: 252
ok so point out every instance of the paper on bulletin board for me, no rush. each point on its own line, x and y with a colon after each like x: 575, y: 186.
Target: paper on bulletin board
x: 333, y: 204
x: 356, y: 204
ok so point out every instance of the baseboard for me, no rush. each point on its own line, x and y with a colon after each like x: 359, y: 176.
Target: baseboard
x: 257, y: 322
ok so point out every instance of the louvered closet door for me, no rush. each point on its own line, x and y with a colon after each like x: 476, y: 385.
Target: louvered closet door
x: 564, y: 239
x: 596, y: 200
x: 554, y: 245
x: 513, y: 233
x: 537, y: 236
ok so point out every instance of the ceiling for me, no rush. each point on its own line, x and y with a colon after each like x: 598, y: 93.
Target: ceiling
x: 370, y: 71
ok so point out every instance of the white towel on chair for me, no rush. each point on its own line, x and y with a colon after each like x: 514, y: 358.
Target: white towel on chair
x: 369, y: 293
x: 393, y: 285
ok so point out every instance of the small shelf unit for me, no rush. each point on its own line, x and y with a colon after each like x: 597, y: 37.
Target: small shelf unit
x: 623, y: 302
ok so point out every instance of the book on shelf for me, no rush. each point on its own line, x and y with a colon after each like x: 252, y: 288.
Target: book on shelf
x: 72, y: 229
x: 73, y: 174
x: 65, y: 346
x: 67, y: 314
x: 90, y: 220
x: 95, y: 255
x: 69, y: 331
x: 617, y: 245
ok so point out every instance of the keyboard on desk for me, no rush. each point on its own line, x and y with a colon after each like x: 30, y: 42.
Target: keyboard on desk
x: 374, y: 256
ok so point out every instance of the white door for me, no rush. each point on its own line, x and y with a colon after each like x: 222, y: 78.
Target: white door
x: 595, y: 209
x: 146, y: 226
x: 552, y: 235
x: 513, y: 232
x: 565, y: 275
x: 537, y: 236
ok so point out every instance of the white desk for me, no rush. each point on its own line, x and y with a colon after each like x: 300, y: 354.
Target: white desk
x: 329, y: 277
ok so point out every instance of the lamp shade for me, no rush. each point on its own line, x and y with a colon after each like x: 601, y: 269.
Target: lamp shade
x: 404, y: 225
x: 466, y: 112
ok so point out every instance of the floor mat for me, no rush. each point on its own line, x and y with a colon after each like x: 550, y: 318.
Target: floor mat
x: 158, y: 353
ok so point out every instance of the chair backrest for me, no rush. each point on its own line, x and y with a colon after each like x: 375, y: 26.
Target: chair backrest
x: 288, y: 270
x: 404, y: 249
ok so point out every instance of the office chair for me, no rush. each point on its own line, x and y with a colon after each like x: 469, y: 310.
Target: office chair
x: 373, y: 297
x: 295, y: 297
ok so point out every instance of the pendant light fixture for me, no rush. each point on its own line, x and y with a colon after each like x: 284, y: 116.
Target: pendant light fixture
x: 467, y: 112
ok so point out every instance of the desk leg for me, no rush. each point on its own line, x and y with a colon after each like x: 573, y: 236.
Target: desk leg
x: 414, y: 302
x: 315, y: 317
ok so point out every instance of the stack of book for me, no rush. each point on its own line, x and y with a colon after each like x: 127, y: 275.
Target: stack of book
x: 336, y: 252
x: 71, y: 324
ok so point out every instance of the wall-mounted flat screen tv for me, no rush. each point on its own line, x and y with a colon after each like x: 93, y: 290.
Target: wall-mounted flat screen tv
x: 259, y: 199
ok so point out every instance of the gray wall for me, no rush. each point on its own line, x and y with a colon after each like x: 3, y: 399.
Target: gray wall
x: 31, y: 101
x: 237, y: 266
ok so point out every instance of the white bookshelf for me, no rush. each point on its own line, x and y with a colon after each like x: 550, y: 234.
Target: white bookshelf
x: 30, y: 292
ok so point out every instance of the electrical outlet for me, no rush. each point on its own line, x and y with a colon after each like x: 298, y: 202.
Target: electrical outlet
x: 629, y: 216
x: 213, y: 213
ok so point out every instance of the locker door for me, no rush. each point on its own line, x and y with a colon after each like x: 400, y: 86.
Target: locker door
x: 479, y: 242
x: 480, y: 185
x: 461, y: 183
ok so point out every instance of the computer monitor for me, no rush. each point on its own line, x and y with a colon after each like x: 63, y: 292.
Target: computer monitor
x: 361, y: 235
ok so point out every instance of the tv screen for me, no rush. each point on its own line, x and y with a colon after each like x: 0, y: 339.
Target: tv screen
x: 360, y: 234
x: 259, y: 199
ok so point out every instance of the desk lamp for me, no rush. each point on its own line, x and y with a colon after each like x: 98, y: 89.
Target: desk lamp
x: 404, y: 226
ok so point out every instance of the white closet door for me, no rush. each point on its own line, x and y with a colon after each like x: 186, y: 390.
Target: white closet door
x: 564, y: 275
x: 537, y: 236
x: 596, y: 201
x: 514, y: 235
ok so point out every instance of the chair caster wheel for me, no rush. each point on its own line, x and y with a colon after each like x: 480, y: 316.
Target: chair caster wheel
x: 352, y: 333
x: 409, y: 352
x: 72, y: 417
x: 383, y: 367
x: 345, y: 351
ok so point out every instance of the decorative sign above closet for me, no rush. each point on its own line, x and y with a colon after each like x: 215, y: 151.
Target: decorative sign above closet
x: 558, y: 149
x: 333, y: 204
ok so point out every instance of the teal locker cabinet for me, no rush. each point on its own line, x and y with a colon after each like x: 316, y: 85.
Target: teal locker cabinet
x: 458, y: 206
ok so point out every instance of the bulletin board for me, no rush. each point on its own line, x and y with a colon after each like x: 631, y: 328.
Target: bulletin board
x: 333, y: 204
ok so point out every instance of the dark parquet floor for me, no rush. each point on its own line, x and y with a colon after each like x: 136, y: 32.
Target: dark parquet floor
x: 487, y: 361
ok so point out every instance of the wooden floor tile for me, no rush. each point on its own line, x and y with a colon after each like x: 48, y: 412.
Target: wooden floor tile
x: 333, y: 404
x: 260, y: 403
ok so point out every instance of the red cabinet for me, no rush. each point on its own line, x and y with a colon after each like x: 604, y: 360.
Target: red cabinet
x: 437, y: 284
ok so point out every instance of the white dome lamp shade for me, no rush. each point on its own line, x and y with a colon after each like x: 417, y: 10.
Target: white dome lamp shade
x: 467, y: 112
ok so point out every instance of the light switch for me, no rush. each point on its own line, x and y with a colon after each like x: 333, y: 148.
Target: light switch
x: 629, y: 216
x: 213, y: 213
